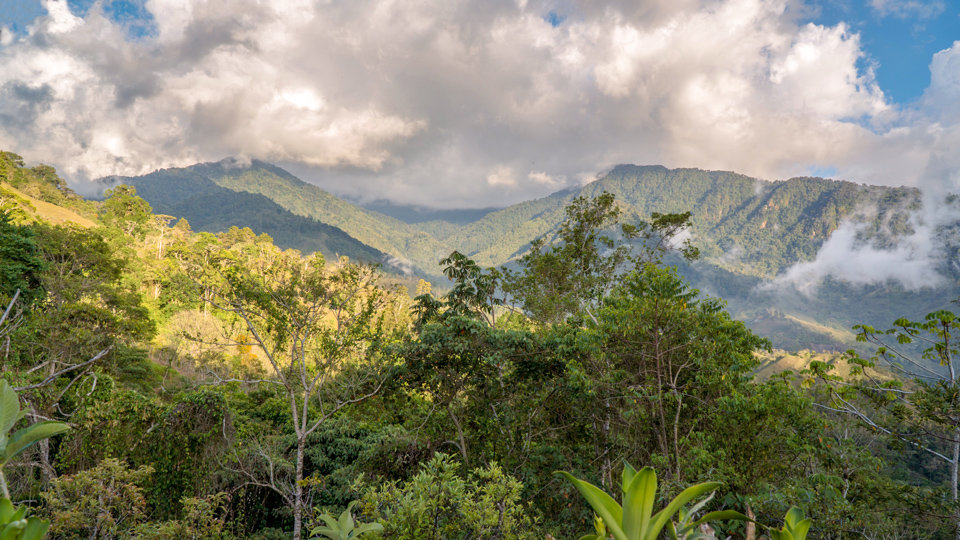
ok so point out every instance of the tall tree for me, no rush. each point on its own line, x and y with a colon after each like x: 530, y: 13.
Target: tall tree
x: 313, y: 325
x: 571, y: 274
x: 662, y: 356
x: 925, y: 415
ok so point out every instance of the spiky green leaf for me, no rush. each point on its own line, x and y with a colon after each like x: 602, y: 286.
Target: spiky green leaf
x: 602, y: 504
x: 685, y: 496
x: 24, y: 438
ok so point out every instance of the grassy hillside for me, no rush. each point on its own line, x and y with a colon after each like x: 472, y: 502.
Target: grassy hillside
x: 41, y: 193
x: 41, y: 210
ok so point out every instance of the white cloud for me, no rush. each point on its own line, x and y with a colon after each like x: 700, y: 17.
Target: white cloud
x: 912, y: 263
x: 444, y: 103
x: 540, y: 177
x: 923, y: 9
x: 501, y: 176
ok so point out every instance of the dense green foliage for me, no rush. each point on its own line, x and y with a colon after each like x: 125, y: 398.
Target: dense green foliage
x: 220, y: 387
x: 438, y: 503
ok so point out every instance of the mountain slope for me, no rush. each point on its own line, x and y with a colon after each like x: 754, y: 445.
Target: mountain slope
x: 208, y: 207
x: 384, y: 233
x: 758, y: 227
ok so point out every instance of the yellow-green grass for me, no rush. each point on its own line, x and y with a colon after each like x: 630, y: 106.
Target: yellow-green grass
x: 50, y: 212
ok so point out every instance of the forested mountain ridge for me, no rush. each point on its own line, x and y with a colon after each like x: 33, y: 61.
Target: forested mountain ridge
x: 381, y: 232
x: 748, y: 226
x: 757, y: 227
x: 748, y: 231
x: 183, y: 193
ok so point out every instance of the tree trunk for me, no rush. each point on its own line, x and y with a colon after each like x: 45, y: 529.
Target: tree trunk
x: 953, y: 479
x: 460, y: 436
x: 298, y: 490
x: 751, y: 532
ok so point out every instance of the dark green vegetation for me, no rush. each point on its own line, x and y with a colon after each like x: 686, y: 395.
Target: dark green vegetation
x: 220, y: 387
x: 747, y: 230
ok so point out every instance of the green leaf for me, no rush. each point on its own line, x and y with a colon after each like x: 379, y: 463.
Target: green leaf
x: 9, y: 411
x: 676, y: 504
x: 628, y: 473
x: 13, y: 529
x: 719, y: 516
x: 19, y: 514
x: 602, y: 504
x: 794, y: 516
x: 345, y: 524
x: 638, y: 503
x: 24, y: 438
x: 36, y: 529
x: 801, y: 529
x: 6, y: 510
x: 672, y: 531
x: 366, y: 527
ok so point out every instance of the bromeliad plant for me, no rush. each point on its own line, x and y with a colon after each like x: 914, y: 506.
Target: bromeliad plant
x: 14, y: 525
x: 11, y: 444
x: 686, y: 527
x: 635, y: 520
x: 795, y: 527
x: 344, y: 528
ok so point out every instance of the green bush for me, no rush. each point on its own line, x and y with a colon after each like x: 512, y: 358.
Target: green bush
x: 104, y: 502
x: 438, y: 503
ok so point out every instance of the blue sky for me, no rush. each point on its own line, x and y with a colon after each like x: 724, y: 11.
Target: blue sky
x: 17, y: 14
x: 901, y: 43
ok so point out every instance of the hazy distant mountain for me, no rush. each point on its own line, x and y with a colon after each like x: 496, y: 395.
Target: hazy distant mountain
x: 418, y: 214
x: 748, y: 231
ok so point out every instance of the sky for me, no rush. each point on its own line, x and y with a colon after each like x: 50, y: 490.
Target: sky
x: 470, y: 104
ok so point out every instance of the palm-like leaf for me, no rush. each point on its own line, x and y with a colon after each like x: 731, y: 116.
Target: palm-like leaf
x: 14, y: 525
x: 795, y: 526
x: 343, y: 528
x: 609, y: 511
x: 635, y: 519
x: 28, y: 436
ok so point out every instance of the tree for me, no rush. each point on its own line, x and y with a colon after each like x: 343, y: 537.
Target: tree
x: 438, y: 503
x: 927, y: 414
x: 493, y: 384
x: 126, y: 211
x: 103, y: 502
x: 20, y: 263
x: 574, y: 274
x: 660, y: 355
x: 313, y: 325
x: 473, y: 294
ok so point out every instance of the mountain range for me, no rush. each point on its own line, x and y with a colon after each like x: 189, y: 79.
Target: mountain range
x: 748, y: 230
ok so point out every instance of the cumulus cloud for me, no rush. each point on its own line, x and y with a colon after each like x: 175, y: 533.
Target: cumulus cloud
x: 501, y: 176
x: 464, y: 104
